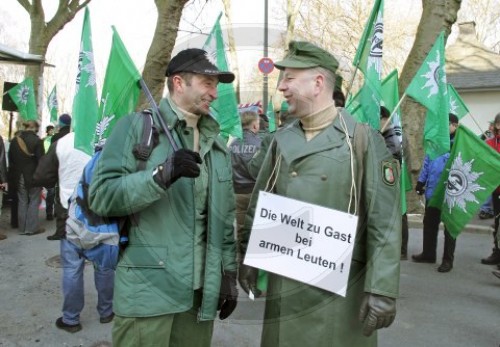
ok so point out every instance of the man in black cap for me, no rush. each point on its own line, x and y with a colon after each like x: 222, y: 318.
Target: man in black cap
x: 325, y: 158
x: 179, y: 267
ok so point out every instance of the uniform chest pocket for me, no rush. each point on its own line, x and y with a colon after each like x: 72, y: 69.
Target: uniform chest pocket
x: 224, y: 174
x: 339, y: 154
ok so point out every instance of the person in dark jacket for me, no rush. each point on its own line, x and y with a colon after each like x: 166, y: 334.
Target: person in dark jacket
x: 3, y: 177
x: 394, y: 146
x: 51, y: 191
x: 24, y: 153
x: 427, y: 182
x: 63, y: 126
x: 494, y: 257
x: 242, y: 151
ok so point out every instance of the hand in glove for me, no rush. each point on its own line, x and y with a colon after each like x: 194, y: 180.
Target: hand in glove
x: 376, y: 312
x: 182, y: 163
x: 420, y: 188
x: 248, y: 279
x: 228, y: 295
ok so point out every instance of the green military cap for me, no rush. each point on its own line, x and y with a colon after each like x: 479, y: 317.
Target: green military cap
x: 305, y: 55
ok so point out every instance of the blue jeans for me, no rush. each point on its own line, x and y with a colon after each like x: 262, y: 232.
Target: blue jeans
x: 487, y: 207
x: 73, y: 263
x: 27, y: 211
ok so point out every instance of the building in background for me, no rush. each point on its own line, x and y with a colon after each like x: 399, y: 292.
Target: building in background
x: 474, y: 71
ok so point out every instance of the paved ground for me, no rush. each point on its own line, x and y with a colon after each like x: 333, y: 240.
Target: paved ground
x: 460, y: 308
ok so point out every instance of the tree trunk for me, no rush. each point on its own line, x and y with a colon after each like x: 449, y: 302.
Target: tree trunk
x: 169, y: 15
x: 42, y: 33
x: 437, y: 15
x: 291, y: 14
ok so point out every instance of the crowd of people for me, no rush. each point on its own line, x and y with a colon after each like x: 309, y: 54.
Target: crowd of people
x: 190, y: 209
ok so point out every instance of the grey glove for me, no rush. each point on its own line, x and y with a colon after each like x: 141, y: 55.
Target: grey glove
x: 228, y: 295
x: 248, y: 279
x: 182, y: 163
x: 376, y: 312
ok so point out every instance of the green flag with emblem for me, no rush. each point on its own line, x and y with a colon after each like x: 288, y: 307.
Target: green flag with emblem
x: 469, y: 178
x: 369, y: 60
x: 120, y: 91
x: 225, y: 107
x: 429, y: 88
x: 23, y: 95
x: 457, y: 105
x: 85, y: 106
x: 52, y: 105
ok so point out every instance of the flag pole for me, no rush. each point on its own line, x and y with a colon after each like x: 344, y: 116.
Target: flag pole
x: 156, y: 112
x: 475, y: 122
x: 393, y: 112
x: 351, y: 82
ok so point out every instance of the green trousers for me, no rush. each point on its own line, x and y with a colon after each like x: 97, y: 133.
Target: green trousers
x: 170, y: 330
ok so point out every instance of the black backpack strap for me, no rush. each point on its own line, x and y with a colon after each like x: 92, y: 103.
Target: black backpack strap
x: 142, y: 150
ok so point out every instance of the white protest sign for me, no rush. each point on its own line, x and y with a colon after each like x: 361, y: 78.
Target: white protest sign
x: 302, y: 241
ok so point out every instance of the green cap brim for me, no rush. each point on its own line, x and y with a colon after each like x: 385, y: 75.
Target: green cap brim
x: 294, y: 64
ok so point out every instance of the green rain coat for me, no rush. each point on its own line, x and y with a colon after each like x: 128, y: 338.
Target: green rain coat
x: 155, y: 273
x: 319, y: 172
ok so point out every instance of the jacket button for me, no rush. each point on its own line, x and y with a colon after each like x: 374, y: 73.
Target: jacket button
x: 161, y: 263
x: 323, y: 177
x: 186, y: 132
x: 294, y: 174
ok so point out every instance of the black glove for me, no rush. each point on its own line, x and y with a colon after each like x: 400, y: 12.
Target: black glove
x: 248, y: 279
x: 376, y: 312
x: 182, y: 163
x: 228, y: 295
x: 420, y: 188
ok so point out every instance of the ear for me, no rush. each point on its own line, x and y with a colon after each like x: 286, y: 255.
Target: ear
x: 178, y: 83
x: 319, y: 83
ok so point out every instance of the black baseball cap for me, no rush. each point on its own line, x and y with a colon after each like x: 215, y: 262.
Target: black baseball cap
x: 196, y: 60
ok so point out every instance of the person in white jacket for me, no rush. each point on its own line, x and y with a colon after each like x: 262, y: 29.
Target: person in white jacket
x: 64, y: 164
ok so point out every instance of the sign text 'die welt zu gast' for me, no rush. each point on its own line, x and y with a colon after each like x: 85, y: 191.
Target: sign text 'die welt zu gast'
x: 303, y: 241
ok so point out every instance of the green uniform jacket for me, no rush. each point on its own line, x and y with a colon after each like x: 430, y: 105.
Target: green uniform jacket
x: 155, y: 272
x: 319, y: 172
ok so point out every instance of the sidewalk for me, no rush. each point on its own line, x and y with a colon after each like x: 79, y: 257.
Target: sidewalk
x: 476, y: 225
x: 455, y: 309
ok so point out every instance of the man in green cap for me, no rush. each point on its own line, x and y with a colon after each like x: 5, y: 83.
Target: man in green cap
x: 325, y: 158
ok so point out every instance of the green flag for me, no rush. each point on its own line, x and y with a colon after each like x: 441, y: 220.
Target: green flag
x: 23, y: 95
x: 353, y: 106
x: 85, y: 106
x: 120, y: 91
x: 369, y: 60
x: 271, y: 116
x: 457, y: 105
x: 390, y: 98
x: 52, y: 104
x: 429, y: 88
x: 469, y: 178
x: 225, y: 107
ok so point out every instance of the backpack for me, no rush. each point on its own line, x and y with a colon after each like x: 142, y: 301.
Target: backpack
x: 103, y: 237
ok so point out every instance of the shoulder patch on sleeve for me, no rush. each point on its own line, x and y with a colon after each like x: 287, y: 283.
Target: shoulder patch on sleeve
x: 389, y: 169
